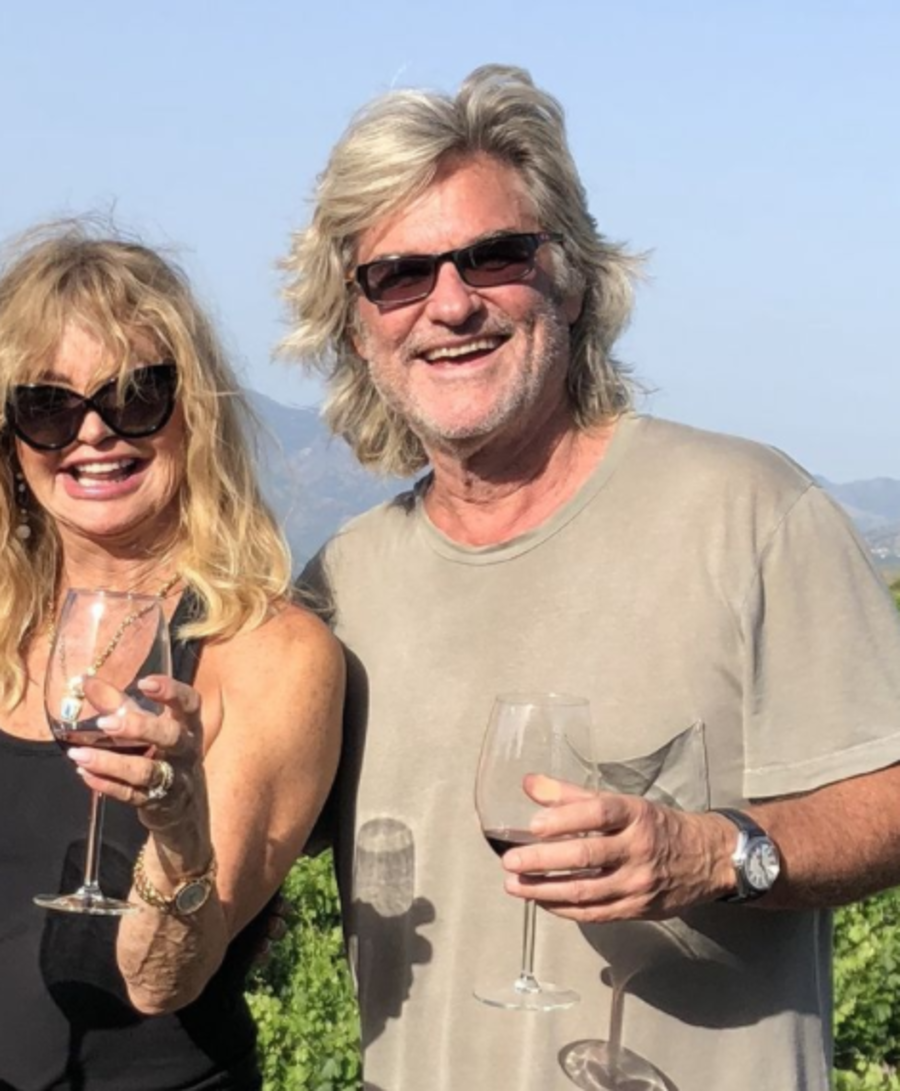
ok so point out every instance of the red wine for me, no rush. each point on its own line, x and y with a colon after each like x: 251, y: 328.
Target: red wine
x: 67, y: 737
x: 501, y: 840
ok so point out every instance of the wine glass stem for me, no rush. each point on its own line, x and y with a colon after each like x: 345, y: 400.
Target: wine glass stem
x: 91, y: 883
x: 527, y: 982
x: 616, y: 1019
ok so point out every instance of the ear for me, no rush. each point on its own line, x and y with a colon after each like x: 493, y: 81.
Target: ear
x: 356, y: 334
x: 572, y: 306
x: 357, y: 341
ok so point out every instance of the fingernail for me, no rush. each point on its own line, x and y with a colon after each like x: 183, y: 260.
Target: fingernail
x: 538, y: 824
x: 512, y: 860
x: 111, y: 722
x: 149, y: 685
x: 82, y: 755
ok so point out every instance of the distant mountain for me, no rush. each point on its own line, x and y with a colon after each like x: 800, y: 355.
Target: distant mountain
x: 871, y: 504
x: 315, y: 484
x: 874, y: 506
x: 311, y: 480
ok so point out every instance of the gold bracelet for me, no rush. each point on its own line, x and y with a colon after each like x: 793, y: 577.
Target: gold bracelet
x: 189, y: 896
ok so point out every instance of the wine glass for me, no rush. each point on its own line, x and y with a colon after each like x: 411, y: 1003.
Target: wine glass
x: 674, y: 776
x: 547, y: 733
x: 112, y: 639
x: 608, y: 1065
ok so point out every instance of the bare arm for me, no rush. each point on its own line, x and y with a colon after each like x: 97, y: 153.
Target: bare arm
x: 838, y: 844
x: 266, y: 715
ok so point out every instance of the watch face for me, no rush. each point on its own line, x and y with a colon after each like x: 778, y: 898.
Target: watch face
x: 191, y: 897
x: 762, y: 865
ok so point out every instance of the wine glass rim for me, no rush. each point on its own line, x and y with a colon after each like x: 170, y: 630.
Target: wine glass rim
x: 538, y: 697
x: 102, y: 592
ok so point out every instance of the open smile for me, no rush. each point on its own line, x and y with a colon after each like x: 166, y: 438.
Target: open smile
x: 463, y: 352
x: 101, y: 473
x: 103, y: 479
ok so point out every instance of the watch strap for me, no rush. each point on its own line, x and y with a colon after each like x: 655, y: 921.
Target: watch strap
x: 172, y: 903
x: 748, y: 831
x: 743, y: 821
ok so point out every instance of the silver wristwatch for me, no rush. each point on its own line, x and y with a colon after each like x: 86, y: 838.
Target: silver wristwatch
x: 755, y: 857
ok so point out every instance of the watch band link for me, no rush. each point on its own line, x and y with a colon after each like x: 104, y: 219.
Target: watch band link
x: 148, y: 893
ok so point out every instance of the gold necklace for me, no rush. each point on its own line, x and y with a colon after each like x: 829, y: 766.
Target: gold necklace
x: 73, y: 698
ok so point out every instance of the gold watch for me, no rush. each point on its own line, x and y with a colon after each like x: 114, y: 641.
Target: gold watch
x: 187, y: 898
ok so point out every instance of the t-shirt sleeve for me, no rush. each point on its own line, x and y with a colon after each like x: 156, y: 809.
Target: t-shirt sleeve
x: 822, y: 672
x: 313, y: 587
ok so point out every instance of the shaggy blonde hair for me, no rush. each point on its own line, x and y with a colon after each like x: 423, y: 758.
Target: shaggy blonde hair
x: 390, y: 154
x: 228, y: 546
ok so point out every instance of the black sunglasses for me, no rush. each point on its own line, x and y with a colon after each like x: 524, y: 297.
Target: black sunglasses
x: 410, y: 277
x: 49, y: 417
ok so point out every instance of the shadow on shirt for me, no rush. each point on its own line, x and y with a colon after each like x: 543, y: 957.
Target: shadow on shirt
x: 378, y: 865
x: 78, y: 960
x: 106, y: 1035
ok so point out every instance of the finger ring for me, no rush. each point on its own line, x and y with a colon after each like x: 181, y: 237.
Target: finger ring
x: 164, y: 777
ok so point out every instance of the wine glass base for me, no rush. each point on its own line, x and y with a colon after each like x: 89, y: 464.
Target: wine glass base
x: 96, y: 904
x: 593, y: 1066
x: 534, y: 997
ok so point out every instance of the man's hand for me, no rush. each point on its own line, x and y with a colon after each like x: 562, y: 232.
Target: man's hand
x: 620, y: 857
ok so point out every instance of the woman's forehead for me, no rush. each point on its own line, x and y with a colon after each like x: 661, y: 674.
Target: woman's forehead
x: 81, y: 354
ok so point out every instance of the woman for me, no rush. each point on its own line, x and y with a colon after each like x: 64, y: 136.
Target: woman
x: 124, y: 468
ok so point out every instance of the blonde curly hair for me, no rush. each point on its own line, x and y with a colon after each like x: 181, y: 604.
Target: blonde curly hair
x: 230, y: 550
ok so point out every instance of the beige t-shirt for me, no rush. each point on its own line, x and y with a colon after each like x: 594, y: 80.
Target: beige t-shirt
x: 696, y: 579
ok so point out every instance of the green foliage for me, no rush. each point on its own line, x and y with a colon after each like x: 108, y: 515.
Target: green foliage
x: 873, y: 1077
x: 867, y: 983
x: 302, y: 999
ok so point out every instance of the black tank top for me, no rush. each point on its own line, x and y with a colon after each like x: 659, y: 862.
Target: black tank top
x: 65, y: 1021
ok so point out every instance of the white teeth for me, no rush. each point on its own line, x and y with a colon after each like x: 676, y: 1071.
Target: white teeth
x: 450, y: 352
x: 102, y: 469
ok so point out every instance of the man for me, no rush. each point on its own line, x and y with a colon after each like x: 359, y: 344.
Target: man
x: 737, y: 649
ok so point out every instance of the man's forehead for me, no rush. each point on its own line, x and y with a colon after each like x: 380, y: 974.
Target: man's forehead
x: 473, y: 200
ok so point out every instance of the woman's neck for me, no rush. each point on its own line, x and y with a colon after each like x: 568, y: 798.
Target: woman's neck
x: 83, y: 566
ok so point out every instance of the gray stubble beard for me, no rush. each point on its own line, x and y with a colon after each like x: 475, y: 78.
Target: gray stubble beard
x: 523, y: 394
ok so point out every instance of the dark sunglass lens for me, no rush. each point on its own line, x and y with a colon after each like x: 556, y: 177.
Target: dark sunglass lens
x: 499, y: 261
x: 48, y: 416
x: 399, y: 280
x: 143, y: 405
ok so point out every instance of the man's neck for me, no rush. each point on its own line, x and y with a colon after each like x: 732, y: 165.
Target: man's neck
x: 493, y: 496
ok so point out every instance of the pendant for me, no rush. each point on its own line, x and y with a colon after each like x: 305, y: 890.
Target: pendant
x: 72, y: 701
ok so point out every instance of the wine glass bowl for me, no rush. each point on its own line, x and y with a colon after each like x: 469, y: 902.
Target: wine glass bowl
x: 105, y: 642
x: 528, y: 733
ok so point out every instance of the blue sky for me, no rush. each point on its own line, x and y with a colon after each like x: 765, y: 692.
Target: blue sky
x: 754, y: 149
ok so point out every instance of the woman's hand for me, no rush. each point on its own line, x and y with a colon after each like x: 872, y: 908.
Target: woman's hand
x: 172, y: 741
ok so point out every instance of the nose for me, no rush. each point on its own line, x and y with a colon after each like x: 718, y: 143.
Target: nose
x: 94, y: 430
x: 452, y: 301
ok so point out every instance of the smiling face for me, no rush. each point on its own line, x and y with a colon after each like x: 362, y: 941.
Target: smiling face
x: 102, y: 487
x: 466, y: 365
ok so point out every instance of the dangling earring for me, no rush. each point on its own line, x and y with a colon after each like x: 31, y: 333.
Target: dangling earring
x: 23, y: 527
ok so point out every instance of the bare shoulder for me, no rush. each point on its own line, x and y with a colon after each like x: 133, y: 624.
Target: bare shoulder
x: 290, y: 633
x: 291, y: 651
